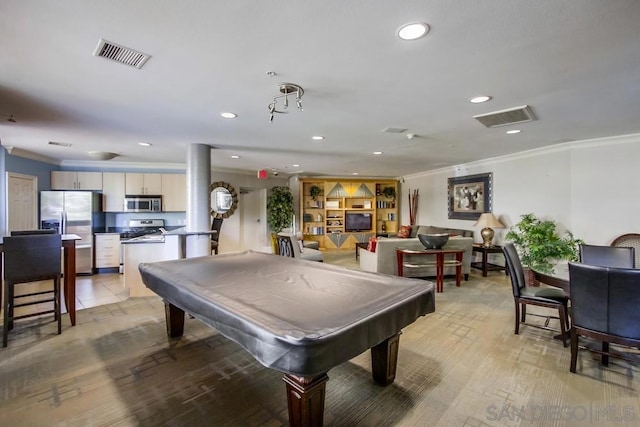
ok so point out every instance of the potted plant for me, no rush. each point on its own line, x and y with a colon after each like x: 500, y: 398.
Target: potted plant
x: 539, y: 244
x: 314, y: 191
x: 279, y: 211
x: 389, y: 193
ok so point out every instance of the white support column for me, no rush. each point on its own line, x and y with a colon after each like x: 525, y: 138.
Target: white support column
x: 198, y: 181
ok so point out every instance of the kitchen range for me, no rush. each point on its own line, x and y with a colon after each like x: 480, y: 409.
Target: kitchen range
x: 138, y: 230
x: 143, y: 228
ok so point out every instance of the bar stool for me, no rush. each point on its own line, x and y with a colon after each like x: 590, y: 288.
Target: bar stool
x: 31, y: 258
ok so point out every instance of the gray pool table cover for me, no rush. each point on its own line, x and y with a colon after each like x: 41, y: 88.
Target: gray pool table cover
x: 298, y: 317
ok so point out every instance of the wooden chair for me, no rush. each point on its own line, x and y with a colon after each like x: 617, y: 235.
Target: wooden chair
x: 216, y: 225
x: 604, y: 304
x: 524, y: 295
x: 31, y: 258
x: 631, y: 240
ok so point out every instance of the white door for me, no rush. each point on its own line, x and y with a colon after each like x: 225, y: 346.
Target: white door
x: 22, y: 202
x: 253, y: 216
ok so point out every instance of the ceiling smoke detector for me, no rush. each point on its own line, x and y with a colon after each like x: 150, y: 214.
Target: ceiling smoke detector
x: 506, y: 117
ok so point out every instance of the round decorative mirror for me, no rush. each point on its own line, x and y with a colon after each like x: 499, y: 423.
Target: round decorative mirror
x: 223, y: 198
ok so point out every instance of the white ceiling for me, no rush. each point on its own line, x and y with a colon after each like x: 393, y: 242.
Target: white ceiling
x: 576, y: 63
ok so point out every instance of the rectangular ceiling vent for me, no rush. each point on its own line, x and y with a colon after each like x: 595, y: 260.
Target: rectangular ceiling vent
x: 121, y: 54
x: 60, y: 144
x: 393, y: 130
x: 506, y: 117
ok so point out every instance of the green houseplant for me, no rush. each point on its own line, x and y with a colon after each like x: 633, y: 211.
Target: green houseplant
x: 314, y: 191
x: 389, y: 192
x: 279, y: 209
x: 539, y: 244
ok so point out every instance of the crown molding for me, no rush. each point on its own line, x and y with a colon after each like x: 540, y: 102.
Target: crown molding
x: 557, y: 148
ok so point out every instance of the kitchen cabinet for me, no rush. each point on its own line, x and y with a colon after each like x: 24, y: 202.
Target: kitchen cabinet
x: 143, y: 183
x: 68, y: 180
x: 113, y: 191
x: 107, y: 250
x: 174, y: 192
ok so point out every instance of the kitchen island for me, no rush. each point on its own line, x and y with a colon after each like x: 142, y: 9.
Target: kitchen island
x: 153, y: 248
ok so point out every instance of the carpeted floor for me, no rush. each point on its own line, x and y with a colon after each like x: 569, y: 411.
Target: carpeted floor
x: 461, y: 366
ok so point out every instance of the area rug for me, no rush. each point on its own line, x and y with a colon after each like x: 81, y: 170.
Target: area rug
x: 117, y: 367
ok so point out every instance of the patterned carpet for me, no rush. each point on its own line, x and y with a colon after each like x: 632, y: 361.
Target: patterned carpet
x: 461, y: 366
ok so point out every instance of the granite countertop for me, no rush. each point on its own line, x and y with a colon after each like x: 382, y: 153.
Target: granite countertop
x: 182, y: 232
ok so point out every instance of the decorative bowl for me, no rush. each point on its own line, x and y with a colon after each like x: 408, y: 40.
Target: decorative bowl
x: 433, y: 241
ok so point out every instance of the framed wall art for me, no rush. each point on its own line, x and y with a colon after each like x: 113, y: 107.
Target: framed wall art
x: 469, y: 196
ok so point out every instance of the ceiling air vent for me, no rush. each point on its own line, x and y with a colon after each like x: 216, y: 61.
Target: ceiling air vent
x: 506, y: 117
x: 393, y: 130
x: 120, y: 54
x: 60, y: 144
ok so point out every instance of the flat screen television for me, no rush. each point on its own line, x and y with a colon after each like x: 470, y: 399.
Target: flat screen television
x: 357, y: 221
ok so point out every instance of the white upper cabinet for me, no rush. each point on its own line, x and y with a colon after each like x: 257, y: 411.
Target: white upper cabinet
x: 67, y: 180
x: 143, y: 183
x: 174, y: 192
x: 113, y: 191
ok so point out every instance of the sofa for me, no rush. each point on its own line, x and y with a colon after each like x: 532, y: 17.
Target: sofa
x: 384, y: 259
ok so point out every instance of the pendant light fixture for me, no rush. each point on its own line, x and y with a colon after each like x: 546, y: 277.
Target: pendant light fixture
x: 286, y: 90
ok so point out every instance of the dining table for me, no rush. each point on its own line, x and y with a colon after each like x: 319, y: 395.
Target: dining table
x: 558, y: 277
x: 68, y: 271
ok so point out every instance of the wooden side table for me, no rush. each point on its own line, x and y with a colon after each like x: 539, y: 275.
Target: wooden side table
x: 439, y: 263
x: 485, y: 265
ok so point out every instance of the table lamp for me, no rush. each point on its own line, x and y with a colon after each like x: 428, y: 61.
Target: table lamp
x: 488, y: 220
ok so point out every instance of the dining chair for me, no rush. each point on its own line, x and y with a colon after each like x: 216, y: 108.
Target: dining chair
x: 607, y: 256
x: 604, y: 303
x: 31, y: 258
x: 629, y: 240
x: 290, y: 247
x: 216, y: 224
x: 524, y: 295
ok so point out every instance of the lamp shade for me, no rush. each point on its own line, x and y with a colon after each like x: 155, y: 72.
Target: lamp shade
x: 102, y: 155
x: 488, y: 219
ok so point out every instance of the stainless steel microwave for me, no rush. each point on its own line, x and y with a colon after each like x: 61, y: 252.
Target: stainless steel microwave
x: 143, y: 203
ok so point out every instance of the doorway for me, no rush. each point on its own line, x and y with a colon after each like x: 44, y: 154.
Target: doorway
x: 22, y: 202
x: 253, y: 218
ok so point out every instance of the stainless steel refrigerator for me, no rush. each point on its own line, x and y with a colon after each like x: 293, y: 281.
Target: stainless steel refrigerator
x: 74, y: 212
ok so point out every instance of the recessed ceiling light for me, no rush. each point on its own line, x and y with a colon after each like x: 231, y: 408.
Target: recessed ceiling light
x: 354, y: 173
x: 413, y: 31
x: 144, y: 144
x: 479, y: 99
x: 317, y: 138
x: 513, y: 131
x: 296, y: 166
x: 229, y: 115
x: 377, y: 153
x: 235, y: 157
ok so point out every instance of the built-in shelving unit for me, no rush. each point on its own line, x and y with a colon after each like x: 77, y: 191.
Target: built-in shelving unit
x: 325, y: 205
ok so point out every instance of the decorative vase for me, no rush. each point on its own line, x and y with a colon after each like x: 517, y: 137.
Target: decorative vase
x: 529, y: 277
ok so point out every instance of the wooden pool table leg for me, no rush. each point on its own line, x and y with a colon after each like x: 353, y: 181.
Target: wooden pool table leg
x: 384, y: 359
x: 305, y: 398
x: 174, y: 317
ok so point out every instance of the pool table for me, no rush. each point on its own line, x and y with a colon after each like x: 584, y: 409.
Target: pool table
x: 298, y: 317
